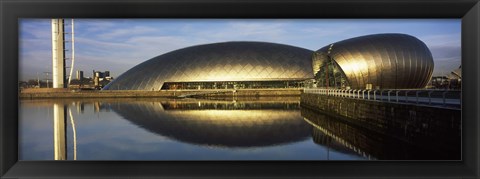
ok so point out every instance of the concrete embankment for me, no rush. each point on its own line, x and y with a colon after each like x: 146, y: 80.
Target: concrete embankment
x: 66, y: 93
x: 423, y: 125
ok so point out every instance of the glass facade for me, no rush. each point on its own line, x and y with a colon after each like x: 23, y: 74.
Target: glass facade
x: 329, y: 74
x: 232, y: 85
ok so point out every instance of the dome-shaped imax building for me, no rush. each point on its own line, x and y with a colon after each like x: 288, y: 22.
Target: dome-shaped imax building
x: 386, y: 61
x: 382, y: 61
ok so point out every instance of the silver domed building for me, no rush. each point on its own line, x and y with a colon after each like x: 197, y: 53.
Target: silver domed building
x: 386, y: 61
x: 221, y: 66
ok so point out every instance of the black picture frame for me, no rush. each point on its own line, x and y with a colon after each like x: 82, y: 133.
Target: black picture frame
x: 11, y: 11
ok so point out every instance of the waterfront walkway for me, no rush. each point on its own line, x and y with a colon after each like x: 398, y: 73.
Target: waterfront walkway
x: 72, y: 93
x: 438, y: 98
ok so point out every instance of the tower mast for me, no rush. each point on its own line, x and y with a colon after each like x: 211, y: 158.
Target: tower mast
x: 73, y: 55
x: 58, y: 53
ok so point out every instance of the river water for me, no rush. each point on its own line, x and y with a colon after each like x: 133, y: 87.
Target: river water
x: 191, y: 129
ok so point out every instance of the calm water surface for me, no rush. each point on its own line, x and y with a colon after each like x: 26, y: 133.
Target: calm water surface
x: 195, y: 129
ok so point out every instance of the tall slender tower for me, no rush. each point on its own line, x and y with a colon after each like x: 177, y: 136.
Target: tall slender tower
x: 58, y: 54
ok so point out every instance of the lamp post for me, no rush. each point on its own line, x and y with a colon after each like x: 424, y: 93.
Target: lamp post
x: 326, y: 70
x: 46, y: 78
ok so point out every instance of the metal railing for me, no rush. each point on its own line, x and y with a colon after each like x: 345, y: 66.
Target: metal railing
x: 448, y: 98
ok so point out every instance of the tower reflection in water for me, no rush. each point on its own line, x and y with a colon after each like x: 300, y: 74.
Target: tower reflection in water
x: 224, y: 124
x: 60, y: 131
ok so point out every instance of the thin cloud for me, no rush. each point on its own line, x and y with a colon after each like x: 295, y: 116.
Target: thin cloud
x: 127, y: 32
x: 37, y: 28
x: 442, y: 39
x: 33, y: 62
x: 236, y: 31
x: 446, y: 51
x: 27, y: 45
x: 100, y: 44
x: 92, y: 26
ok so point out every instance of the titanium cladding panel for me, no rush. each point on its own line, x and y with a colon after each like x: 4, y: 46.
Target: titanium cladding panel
x: 228, y: 61
x: 396, y: 61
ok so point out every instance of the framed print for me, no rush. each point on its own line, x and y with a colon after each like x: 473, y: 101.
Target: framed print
x: 239, y: 89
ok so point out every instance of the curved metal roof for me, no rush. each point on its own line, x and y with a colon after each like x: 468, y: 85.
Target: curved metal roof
x: 228, y: 61
x: 397, y: 61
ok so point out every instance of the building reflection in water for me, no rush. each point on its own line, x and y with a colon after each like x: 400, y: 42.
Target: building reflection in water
x: 330, y: 131
x: 241, y: 123
x: 219, y: 123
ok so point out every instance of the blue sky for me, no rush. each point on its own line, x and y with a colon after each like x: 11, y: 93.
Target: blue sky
x: 117, y: 45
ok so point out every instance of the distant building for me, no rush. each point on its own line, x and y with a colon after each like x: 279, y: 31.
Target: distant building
x: 79, y: 75
x: 439, y: 82
x: 100, y: 79
x: 102, y: 75
x: 97, y: 74
x: 453, y: 80
x: 456, y: 78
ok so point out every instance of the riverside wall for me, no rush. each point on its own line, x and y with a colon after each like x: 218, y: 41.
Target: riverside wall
x: 66, y: 93
x: 422, y: 125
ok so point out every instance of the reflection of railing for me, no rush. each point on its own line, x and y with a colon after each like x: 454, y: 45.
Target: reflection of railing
x: 425, y: 97
x: 205, y: 105
x: 340, y: 140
